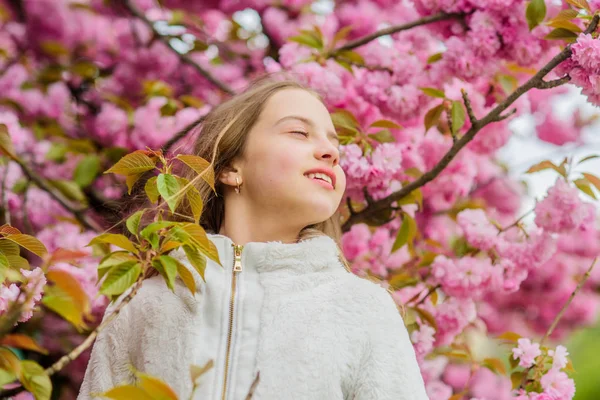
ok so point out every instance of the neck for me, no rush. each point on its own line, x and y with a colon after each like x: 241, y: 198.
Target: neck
x: 242, y: 226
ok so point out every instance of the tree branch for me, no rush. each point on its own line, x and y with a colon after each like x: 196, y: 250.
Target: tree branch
x: 179, y: 135
x: 492, y: 116
x: 183, y: 57
x: 552, y: 84
x: 397, y: 28
x: 77, y: 210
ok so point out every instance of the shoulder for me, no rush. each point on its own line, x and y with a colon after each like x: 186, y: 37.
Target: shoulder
x: 370, y: 301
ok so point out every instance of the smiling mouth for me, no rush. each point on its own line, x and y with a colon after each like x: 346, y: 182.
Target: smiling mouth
x: 322, y: 180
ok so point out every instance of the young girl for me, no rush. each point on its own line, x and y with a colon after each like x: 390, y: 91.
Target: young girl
x: 284, y: 305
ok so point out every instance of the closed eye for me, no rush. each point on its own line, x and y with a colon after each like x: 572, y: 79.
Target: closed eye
x: 301, y: 132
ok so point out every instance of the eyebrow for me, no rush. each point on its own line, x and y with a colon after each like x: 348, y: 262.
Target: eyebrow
x: 309, y: 122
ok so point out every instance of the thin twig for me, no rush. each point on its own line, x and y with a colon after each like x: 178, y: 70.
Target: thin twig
x: 397, y: 28
x: 77, y: 210
x: 470, y: 112
x: 493, y: 115
x: 568, y: 303
x: 183, y: 57
x: 552, y: 84
x: 4, y: 203
x: 253, y: 386
x: 181, y: 134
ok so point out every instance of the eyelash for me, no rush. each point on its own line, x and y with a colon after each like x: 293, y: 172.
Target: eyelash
x: 302, y: 132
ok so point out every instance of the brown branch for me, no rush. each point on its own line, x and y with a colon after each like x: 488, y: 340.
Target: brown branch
x: 568, y: 303
x: 181, y: 134
x: 183, y: 57
x: 469, y: 108
x: 493, y: 115
x: 253, y: 386
x: 397, y: 28
x: 77, y: 210
x: 559, y: 316
x: 552, y: 84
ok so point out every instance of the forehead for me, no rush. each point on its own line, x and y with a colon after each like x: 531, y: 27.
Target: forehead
x: 295, y: 102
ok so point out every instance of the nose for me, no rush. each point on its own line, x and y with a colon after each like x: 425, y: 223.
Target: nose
x: 325, y: 150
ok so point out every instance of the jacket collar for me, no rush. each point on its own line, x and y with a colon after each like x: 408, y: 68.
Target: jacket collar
x: 310, y: 255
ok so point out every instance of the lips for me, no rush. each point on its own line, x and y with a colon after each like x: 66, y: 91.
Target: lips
x: 325, y: 171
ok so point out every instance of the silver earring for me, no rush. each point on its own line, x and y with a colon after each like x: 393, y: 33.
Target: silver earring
x: 237, y: 189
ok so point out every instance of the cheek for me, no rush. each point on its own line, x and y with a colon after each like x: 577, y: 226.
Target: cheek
x: 279, y: 169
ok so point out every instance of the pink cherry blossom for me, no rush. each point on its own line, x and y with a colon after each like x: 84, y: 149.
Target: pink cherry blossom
x: 526, y: 352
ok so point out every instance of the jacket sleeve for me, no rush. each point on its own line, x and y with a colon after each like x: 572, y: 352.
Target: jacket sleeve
x: 388, y: 368
x: 109, y: 361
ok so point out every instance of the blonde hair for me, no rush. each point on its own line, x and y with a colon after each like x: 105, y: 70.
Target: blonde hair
x: 222, y: 137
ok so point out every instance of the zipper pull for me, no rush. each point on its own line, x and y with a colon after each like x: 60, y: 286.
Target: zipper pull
x: 237, y: 266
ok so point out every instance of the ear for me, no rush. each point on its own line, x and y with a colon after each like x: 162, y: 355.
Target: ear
x: 228, y: 175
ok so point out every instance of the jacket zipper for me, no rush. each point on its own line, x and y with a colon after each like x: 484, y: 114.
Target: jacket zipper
x: 237, y: 267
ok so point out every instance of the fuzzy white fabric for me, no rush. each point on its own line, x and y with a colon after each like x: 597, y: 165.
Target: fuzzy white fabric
x: 312, y: 329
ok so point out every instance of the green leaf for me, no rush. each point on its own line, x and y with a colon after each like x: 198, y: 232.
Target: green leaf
x: 132, y: 164
x: 168, y: 187
x: 584, y: 185
x: 57, y: 152
x: 433, y: 116
x: 120, y: 278
x: 434, y: 58
x: 151, y: 190
x: 593, y: 179
x: 580, y: 4
x: 112, y: 259
x: 21, y: 341
x: 4, y: 265
x: 406, y: 233
x: 383, y: 136
x: 35, y: 380
x: 458, y: 116
x: 351, y: 56
x: 167, y: 266
x: 8, y: 248
x: 72, y: 288
x: 69, y: 189
x: 196, y: 259
x: 127, y: 392
x: 516, y: 378
x: 130, y: 181
x: 195, y: 235
x: 196, y: 203
x: 133, y: 222
x: 186, y: 276
x: 62, y: 304
x: 28, y: 242
x: 201, y: 166
x: 508, y: 82
x: 116, y: 239
x: 509, y: 336
x: 85, y: 69
x: 308, y: 38
x: 590, y: 157
x: 562, y: 23
x: 155, y: 227
x: 433, y: 92
x: 158, y: 388
x: 547, y: 164
x: 561, y: 33
x: 494, y: 365
x: 385, y: 123
x: 535, y: 13
x: 5, y: 141
x: 341, y: 34
x: 87, y: 170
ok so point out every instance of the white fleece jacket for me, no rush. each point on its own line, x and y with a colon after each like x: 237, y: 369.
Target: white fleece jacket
x: 312, y: 329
